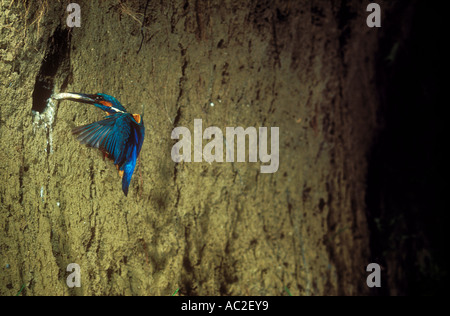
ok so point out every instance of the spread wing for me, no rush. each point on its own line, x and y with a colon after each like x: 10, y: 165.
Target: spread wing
x: 110, y: 134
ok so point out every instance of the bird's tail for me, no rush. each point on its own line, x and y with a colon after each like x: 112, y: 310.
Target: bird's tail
x: 128, y: 169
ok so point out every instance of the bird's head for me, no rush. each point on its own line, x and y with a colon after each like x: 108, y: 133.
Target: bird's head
x: 103, y: 101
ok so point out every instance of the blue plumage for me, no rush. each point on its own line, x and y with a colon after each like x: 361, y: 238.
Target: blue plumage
x: 119, y: 135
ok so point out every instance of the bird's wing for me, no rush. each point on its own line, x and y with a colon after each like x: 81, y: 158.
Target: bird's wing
x: 110, y: 134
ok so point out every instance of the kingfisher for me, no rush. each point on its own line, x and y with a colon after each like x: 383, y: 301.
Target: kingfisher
x: 119, y: 136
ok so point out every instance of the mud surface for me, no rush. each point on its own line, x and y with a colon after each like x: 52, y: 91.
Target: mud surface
x: 207, y: 229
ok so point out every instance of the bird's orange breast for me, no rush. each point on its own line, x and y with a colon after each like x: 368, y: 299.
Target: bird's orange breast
x: 137, y: 118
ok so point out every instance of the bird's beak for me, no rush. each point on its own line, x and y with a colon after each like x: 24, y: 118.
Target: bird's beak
x: 78, y: 97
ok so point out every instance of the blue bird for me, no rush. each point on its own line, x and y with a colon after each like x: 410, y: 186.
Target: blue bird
x: 119, y: 135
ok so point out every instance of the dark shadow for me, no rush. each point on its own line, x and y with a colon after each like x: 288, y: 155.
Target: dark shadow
x: 57, y: 52
x: 406, y: 220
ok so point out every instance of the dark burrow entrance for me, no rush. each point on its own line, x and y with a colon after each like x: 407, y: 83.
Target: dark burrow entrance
x: 56, y: 56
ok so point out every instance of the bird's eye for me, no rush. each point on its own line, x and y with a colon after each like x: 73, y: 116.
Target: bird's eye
x: 98, y: 98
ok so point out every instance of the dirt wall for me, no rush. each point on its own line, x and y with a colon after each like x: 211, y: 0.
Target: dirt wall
x: 205, y: 229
